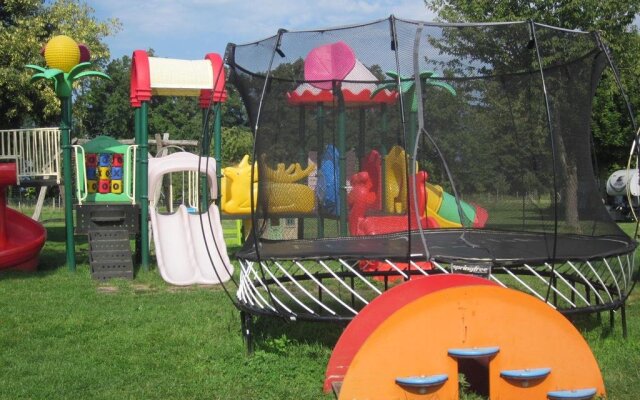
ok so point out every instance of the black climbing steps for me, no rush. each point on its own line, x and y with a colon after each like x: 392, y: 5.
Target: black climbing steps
x: 109, y: 227
x: 110, y: 254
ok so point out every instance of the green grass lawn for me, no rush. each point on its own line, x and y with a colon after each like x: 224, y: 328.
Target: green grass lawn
x: 64, y: 335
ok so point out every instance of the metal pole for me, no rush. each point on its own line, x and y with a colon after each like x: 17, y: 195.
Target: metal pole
x: 342, y: 164
x: 204, y: 152
x: 383, y: 156
x: 217, y: 149
x: 144, y: 191
x: 136, y: 195
x: 361, y: 133
x: 65, y: 132
x: 320, y: 128
x: 302, y: 156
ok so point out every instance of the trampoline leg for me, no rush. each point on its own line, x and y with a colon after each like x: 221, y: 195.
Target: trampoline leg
x: 246, y: 323
x: 623, y: 318
x: 611, y: 319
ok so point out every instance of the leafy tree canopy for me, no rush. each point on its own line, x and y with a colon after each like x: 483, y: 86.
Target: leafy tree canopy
x: 26, y: 26
x: 612, y: 128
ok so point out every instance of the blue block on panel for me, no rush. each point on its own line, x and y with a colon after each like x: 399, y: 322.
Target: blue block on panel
x: 116, y: 172
x: 104, y: 160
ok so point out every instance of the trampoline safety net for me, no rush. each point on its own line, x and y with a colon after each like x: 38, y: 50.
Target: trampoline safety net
x: 414, y: 142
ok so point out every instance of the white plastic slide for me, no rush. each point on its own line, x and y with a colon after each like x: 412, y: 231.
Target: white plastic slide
x: 190, y: 248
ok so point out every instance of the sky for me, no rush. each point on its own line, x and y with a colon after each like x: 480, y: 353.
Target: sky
x: 189, y: 29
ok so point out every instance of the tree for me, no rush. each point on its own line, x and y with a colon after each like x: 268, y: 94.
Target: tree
x: 108, y: 111
x: 614, y: 22
x: 26, y: 26
x: 611, y: 125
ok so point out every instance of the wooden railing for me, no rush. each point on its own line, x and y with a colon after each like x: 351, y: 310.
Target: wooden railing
x: 36, y: 150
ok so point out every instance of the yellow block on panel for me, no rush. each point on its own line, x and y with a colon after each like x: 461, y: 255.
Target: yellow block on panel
x: 104, y: 172
x: 92, y: 186
x: 116, y: 186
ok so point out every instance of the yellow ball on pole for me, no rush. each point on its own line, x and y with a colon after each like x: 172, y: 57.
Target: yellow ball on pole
x: 62, y: 52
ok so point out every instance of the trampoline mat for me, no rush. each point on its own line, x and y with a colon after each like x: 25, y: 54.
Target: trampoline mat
x: 447, y: 245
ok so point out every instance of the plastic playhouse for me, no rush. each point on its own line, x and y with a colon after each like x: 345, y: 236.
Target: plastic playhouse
x: 106, y: 209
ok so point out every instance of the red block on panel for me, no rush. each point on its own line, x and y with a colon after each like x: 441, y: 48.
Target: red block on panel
x: 117, y: 160
x: 91, y: 160
x: 104, y: 186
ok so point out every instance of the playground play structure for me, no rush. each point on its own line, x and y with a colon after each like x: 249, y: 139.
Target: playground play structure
x: 111, y: 178
x: 382, y: 155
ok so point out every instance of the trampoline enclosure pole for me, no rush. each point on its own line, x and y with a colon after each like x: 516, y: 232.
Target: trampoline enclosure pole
x: 342, y: 168
x: 320, y: 126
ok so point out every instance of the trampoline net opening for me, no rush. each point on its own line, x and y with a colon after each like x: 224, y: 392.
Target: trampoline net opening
x: 501, y: 172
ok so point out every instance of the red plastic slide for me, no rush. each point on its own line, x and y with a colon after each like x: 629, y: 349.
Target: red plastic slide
x: 21, y: 238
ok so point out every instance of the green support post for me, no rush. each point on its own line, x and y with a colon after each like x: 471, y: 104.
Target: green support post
x: 136, y: 194
x: 64, y: 76
x: 320, y: 128
x: 65, y: 128
x: 138, y: 141
x: 342, y: 164
x: 383, y: 156
x: 143, y: 185
x: 361, y: 133
x: 217, y: 143
x: 206, y: 148
x: 302, y: 156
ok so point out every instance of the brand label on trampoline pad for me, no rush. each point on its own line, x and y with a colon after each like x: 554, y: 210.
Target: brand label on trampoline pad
x: 483, y: 270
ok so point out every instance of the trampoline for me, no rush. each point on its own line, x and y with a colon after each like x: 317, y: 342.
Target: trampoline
x: 444, y: 148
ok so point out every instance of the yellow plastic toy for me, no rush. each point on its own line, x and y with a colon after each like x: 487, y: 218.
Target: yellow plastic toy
x: 235, y: 188
x: 441, y: 206
x: 283, y: 194
x: 62, y: 52
x: 395, y: 163
x: 291, y: 174
x: 286, y: 196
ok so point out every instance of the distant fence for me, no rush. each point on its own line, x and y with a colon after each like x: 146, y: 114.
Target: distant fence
x: 37, y: 151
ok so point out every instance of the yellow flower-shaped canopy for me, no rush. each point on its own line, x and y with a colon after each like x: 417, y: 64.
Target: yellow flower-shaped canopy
x: 62, y: 52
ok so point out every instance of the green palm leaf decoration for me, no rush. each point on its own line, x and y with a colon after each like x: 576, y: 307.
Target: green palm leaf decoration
x: 63, y: 82
x: 407, y: 85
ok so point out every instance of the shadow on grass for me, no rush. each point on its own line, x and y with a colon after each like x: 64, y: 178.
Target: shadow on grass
x: 596, y: 322
x: 270, y: 331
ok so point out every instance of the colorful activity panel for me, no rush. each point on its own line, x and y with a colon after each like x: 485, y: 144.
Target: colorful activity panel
x: 508, y: 344
x: 107, y: 167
